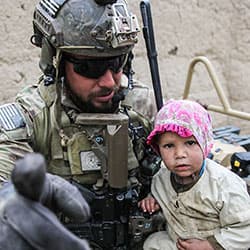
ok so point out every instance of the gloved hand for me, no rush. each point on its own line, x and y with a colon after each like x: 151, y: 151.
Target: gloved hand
x: 25, y: 222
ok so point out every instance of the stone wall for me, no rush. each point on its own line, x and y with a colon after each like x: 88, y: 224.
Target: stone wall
x: 217, y: 29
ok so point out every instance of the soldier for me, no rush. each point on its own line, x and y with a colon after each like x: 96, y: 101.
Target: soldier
x: 86, y: 56
x: 86, y: 60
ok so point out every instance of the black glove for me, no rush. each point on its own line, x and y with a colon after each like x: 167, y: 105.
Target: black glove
x: 25, y: 223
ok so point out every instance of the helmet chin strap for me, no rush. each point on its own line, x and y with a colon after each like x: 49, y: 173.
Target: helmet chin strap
x: 128, y: 71
x: 58, y: 82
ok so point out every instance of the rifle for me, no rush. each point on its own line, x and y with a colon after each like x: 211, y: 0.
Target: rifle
x: 148, y: 34
x: 116, y: 223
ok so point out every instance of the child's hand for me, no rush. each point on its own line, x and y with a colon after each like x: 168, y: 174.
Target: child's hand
x: 149, y: 205
x: 193, y: 244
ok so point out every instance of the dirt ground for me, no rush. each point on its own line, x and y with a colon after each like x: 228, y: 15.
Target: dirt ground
x: 216, y: 29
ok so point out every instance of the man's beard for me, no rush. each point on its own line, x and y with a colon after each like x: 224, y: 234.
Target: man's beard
x: 88, y: 107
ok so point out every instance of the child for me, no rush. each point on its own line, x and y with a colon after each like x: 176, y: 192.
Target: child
x: 206, y: 206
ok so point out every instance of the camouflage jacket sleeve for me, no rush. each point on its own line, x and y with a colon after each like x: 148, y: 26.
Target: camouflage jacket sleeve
x: 17, y: 126
x: 14, y: 137
x: 141, y: 99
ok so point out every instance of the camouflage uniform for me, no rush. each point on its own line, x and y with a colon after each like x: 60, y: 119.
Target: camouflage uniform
x: 30, y: 124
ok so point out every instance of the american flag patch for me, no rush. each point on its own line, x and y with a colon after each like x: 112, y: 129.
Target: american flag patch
x: 10, y: 117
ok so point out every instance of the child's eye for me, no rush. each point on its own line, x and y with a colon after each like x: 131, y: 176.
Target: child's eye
x: 168, y: 145
x: 191, y: 142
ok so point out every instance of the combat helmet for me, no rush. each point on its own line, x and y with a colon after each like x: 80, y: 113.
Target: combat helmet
x: 95, y: 28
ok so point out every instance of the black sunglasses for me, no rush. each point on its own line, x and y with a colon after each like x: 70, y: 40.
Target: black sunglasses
x: 95, y: 68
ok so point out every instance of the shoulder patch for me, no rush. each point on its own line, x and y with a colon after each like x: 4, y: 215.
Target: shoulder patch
x: 10, y: 117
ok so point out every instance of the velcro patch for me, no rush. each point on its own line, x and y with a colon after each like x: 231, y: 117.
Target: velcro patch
x: 10, y: 117
x: 52, y: 7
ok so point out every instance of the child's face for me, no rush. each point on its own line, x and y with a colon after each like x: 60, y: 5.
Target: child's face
x: 182, y: 156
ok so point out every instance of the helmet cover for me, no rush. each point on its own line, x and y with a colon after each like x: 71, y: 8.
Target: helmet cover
x: 85, y: 27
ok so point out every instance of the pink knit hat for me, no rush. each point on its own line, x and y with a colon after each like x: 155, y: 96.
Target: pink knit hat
x: 186, y: 118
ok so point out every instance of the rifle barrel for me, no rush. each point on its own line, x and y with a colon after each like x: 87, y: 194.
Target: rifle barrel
x: 148, y: 34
